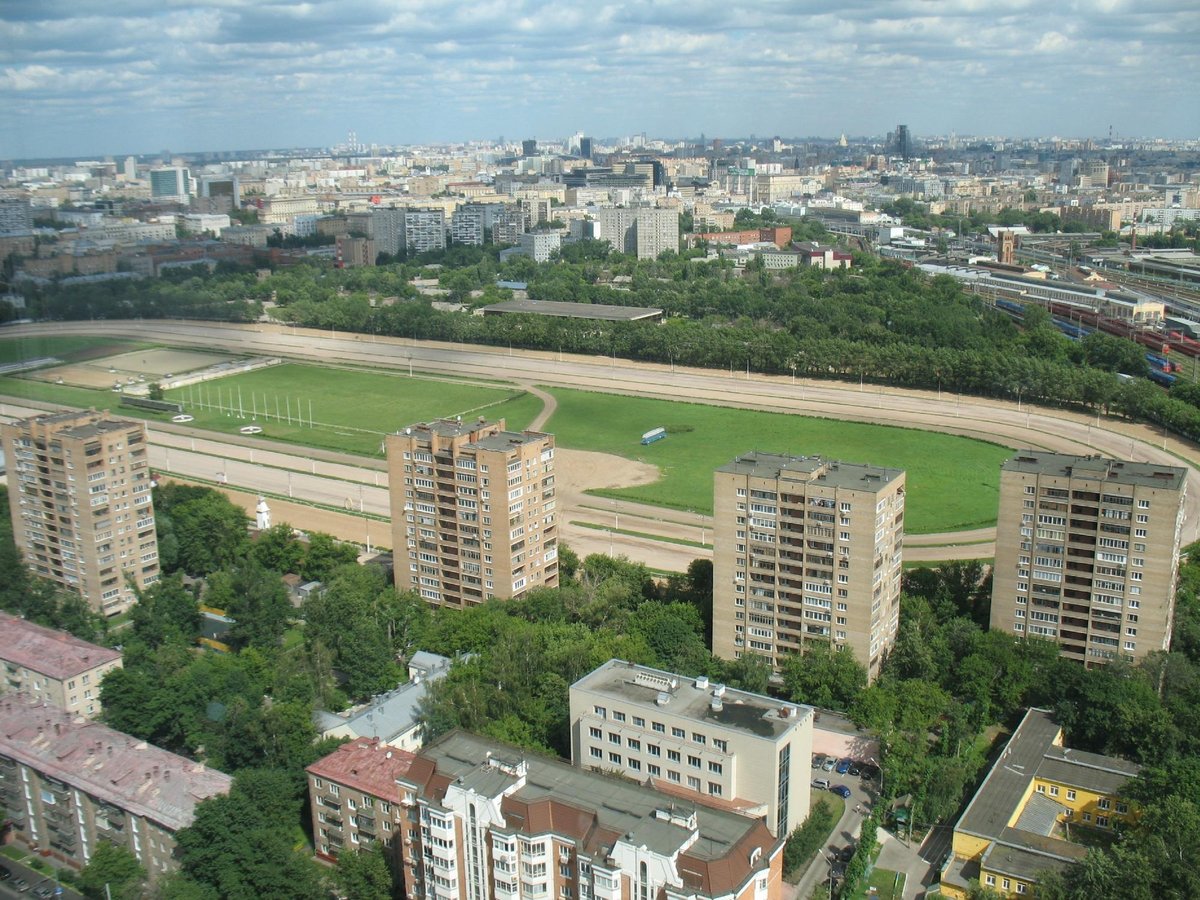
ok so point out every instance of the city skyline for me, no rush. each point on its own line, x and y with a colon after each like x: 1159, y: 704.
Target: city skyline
x: 85, y: 79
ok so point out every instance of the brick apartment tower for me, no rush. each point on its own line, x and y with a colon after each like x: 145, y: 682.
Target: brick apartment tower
x: 81, y: 508
x: 806, y: 551
x: 473, y: 511
x: 1087, y: 553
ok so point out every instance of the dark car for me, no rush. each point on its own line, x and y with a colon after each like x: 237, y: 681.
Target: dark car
x: 869, y: 772
x: 5, y: 873
x: 44, y: 891
x: 855, y: 768
x: 847, y: 853
x: 818, y: 760
x: 843, y: 766
x: 20, y: 885
x: 841, y: 790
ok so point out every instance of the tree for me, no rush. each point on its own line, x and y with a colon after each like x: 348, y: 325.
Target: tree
x: 207, y: 530
x: 324, y: 554
x: 279, y: 549
x: 824, y: 676
x: 365, y: 875
x: 112, y: 873
x: 256, y: 599
x: 166, y: 612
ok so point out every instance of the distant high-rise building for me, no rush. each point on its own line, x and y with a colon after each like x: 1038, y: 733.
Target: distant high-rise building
x: 585, y: 147
x: 529, y: 147
x: 129, y: 170
x: 904, y: 146
x: 1087, y: 554
x: 80, y: 500
x: 16, y: 216
x: 508, y: 225
x: 171, y: 182
x: 644, y: 233
x: 806, y: 552
x: 354, y: 252
x: 472, y: 511
x: 424, y: 230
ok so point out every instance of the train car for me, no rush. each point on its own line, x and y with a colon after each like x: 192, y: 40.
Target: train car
x: 1153, y: 341
x: 1163, y: 378
x: 1014, y: 309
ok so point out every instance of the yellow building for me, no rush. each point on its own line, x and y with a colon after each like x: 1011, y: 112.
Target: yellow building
x: 1023, y: 819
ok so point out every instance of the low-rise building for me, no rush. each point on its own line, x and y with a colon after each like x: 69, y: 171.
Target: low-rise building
x: 482, y: 819
x: 745, y: 750
x: 54, y: 666
x: 1019, y: 822
x: 69, y: 783
x: 390, y: 717
x: 354, y: 799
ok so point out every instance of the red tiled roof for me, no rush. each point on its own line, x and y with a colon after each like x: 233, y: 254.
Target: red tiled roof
x: 54, y: 654
x: 367, y: 765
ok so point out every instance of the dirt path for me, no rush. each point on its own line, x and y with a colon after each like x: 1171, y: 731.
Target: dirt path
x: 549, y: 405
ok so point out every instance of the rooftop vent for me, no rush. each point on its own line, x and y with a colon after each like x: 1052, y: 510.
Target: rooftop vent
x: 702, y: 683
x: 663, y: 698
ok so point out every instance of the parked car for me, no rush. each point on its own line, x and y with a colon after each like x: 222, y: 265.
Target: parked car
x: 830, y: 762
x: 20, y: 885
x: 855, y: 768
x: 818, y: 760
x: 841, y: 790
x: 5, y: 873
x: 843, y: 766
x: 44, y: 891
x: 847, y: 853
x: 870, y: 772
x: 821, y: 783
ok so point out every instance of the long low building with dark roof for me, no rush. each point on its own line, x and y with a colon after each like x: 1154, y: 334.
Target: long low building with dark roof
x: 53, y: 665
x: 69, y: 783
x: 484, y: 819
x: 1019, y: 823
x: 567, y: 310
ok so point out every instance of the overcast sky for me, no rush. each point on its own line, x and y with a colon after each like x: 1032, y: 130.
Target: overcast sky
x: 85, y: 78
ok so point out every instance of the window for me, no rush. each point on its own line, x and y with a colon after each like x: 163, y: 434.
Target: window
x: 715, y: 767
x: 678, y: 733
x: 596, y: 752
x: 654, y: 770
x: 1006, y: 884
x: 658, y: 727
x: 990, y: 880
x: 694, y: 762
x: 693, y: 783
x: 639, y: 722
x: 699, y: 738
x: 635, y: 764
x: 714, y: 789
x: 1103, y: 803
x: 596, y: 734
x: 600, y: 711
x: 614, y: 738
x: 1021, y: 887
x: 618, y: 716
x: 1102, y: 821
x: 633, y: 744
x: 1123, y: 808
x: 672, y: 776
x: 1070, y: 795
x: 1054, y: 790
x: 673, y: 755
x: 614, y: 758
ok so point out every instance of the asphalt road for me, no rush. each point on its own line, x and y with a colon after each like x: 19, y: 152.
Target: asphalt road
x: 33, y: 878
x: 1012, y: 424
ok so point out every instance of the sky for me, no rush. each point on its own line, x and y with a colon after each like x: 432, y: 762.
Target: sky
x: 86, y: 79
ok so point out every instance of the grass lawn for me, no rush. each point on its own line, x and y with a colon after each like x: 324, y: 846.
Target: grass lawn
x: 68, y: 348
x: 952, y: 481
x: 352, y: 408
x: 886, y: 884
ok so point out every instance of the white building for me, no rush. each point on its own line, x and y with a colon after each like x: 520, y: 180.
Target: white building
x: 688, y: 735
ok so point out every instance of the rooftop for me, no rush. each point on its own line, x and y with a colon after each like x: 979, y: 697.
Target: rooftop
x: 566, y: 309
x: 389, y: 715
x: 855, y: 476
x: 1035, y: 751
x: 367, y: 765
x: 607, y: 807
x: 693, y: 698
x: 1096, y: 468
x: 54, y: 654
x: 113, y: 767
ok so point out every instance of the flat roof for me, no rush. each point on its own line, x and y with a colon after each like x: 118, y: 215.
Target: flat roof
x: 55, y: 654
x: 567, y: 309
x: 691, y: 698
x: 834, y: 473
x: 1033, y: 752
x: 1096, y: 468
x: 112, y: 766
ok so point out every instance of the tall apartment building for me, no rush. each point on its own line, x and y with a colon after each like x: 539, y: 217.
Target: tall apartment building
x: 508, y: 225
x: 485, y: 820
x: 81, y: 507
x: 424, y: 230
x: 354, y: 798
x: 642, y: 232
x: 806, y: 551
x: 53, y: 666
x: 1087, y: 553
x: 473, y: 511
x: 472, y: 223
x: 68, y: 783
x: 16, y: 216
x: 691, y: 737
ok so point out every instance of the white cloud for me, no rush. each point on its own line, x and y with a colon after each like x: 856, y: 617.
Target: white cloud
x: 408, y: 70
